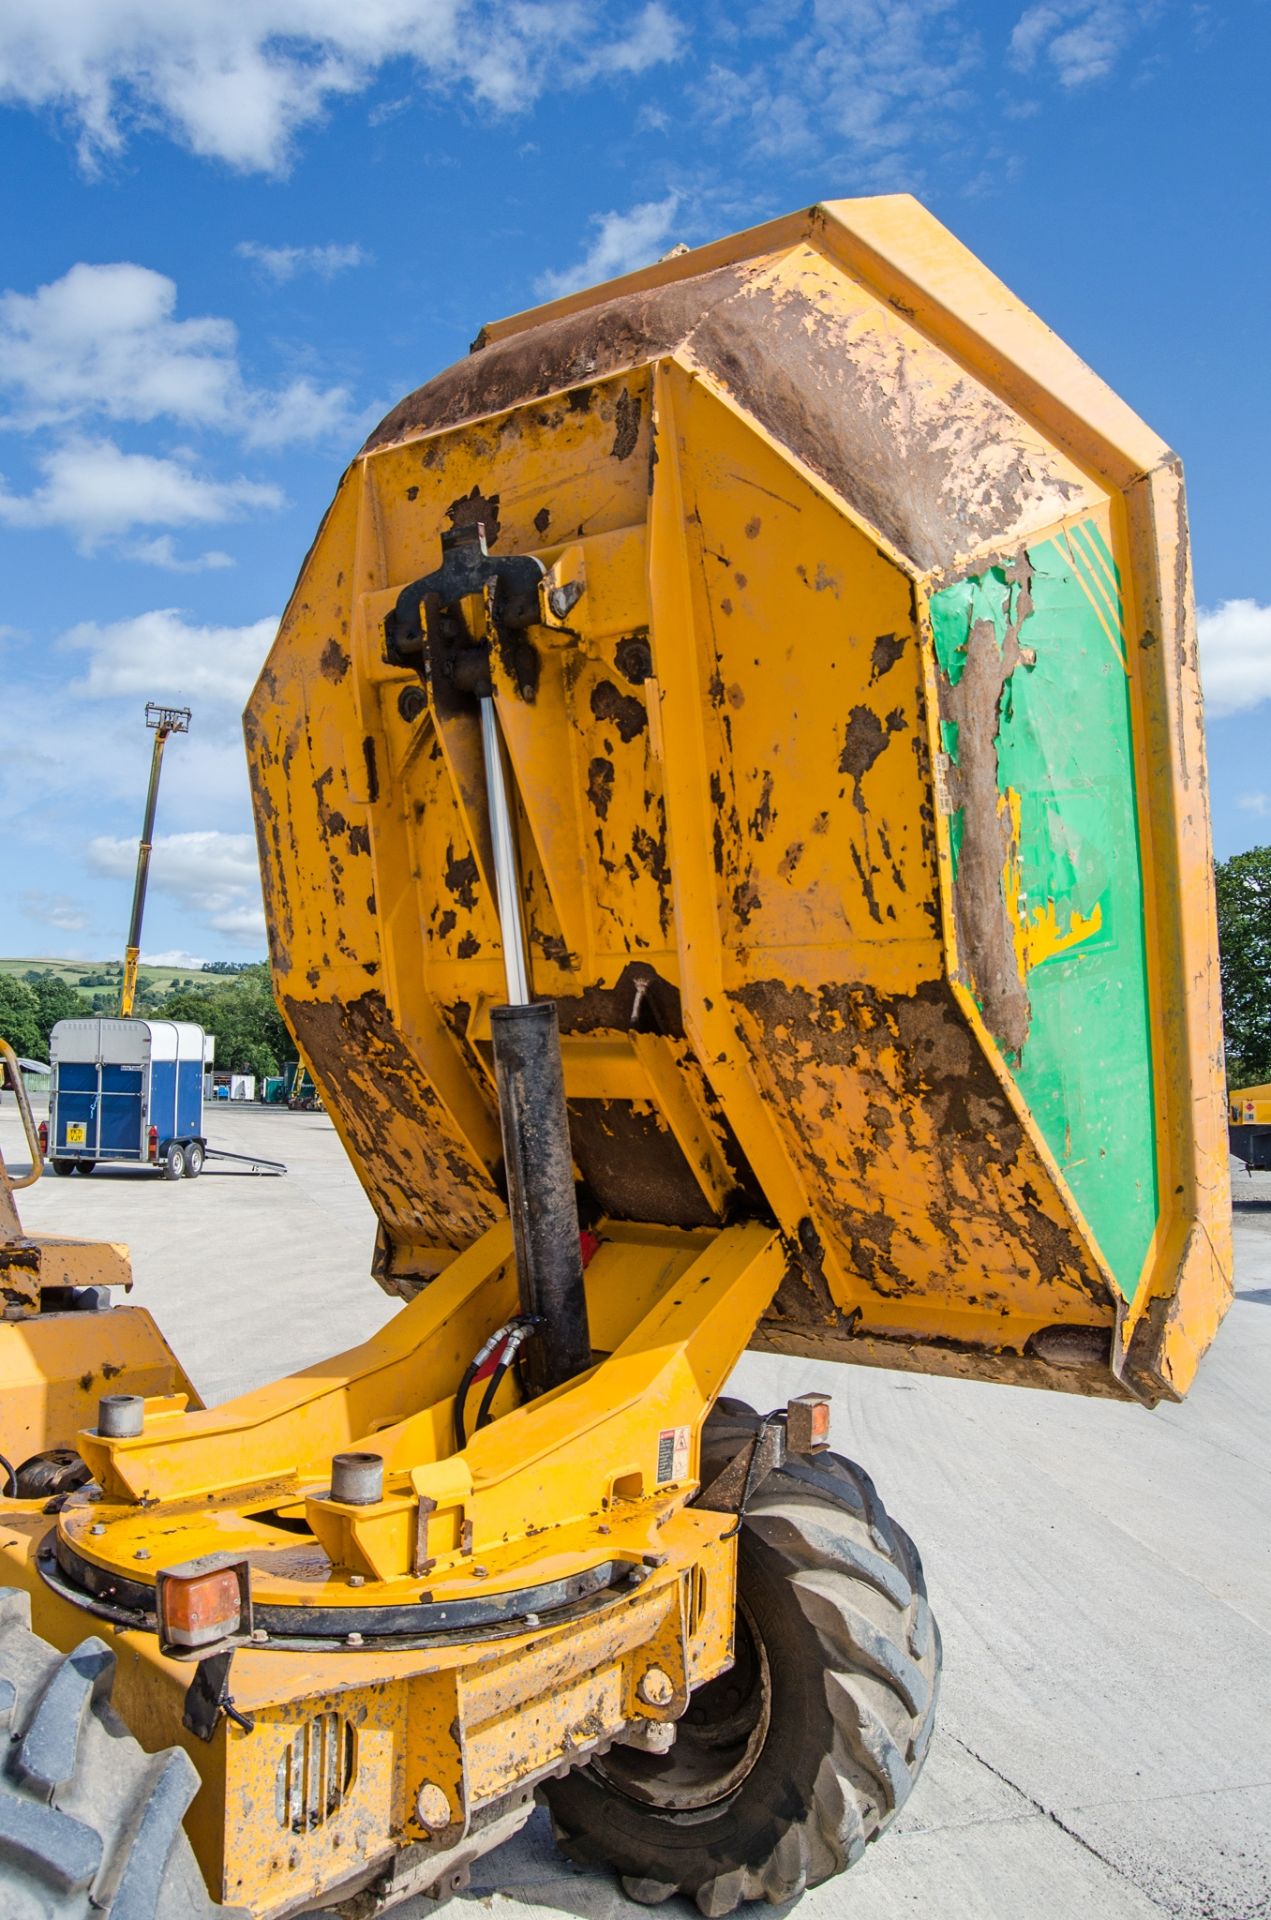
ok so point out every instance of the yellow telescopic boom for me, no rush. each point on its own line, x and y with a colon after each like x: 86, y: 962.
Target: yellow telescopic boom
x: 164, y: 720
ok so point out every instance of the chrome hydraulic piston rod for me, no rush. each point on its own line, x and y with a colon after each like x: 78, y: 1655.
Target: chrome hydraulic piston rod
x: 537, y: 1156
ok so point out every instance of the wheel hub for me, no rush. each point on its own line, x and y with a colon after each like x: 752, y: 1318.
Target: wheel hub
x: 717, y: 1742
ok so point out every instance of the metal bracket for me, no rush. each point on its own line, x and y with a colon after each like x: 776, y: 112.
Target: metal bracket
x: 749, y: 1467
x: 208, y: 1697
x: 425, y: 629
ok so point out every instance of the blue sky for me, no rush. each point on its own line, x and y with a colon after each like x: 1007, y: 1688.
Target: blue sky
x: 234, y: 235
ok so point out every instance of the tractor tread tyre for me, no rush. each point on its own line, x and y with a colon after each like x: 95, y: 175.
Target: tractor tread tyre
x: 90, y: 1825
x: 834, y: 1590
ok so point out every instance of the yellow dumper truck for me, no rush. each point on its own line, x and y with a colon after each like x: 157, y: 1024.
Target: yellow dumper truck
x: 731, y: 801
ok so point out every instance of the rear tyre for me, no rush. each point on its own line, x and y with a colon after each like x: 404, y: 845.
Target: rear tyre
x: 63, y: 1168
x: 785, y: 1768
x: 86, y: 1166
x: 173, y: 1162
x: 193, y: 1160
x: 89, y: 1824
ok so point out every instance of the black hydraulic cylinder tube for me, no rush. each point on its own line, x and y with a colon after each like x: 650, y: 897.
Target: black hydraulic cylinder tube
x: 540, y: 1180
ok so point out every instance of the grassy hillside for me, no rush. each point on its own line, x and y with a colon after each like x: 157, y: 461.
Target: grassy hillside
x: 90, y: 977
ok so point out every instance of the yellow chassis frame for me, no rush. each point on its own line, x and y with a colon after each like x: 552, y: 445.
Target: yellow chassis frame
x: 357, y: 1739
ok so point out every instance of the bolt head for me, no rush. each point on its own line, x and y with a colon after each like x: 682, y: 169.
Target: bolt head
x: 142, y: 1553
x: 656, y: 1688
x: 99, y: 1528
x: 432, y: 1807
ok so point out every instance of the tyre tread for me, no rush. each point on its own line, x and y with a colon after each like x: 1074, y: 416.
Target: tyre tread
x: 90, y: 1825
x: 857, y: 1580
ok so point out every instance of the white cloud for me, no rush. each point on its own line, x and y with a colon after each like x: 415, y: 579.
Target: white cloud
x: 174, y: 957
x: 162, y: 552
x: 623, y: 242
x: 104, y: 339
x: 1235, y: 656
x: 54, y: 910
x: 1259, y: 803
x: 243, y: 924
x: 859, y: 80
x: 105, y: 342
x: 284, y: 263
x: 237, y: 83
x: 209, y: 874
x: 302, y: 412
x: 160, y: 655
x: 95, y: 490
x: 1080, y: 40
x: 654, y: 38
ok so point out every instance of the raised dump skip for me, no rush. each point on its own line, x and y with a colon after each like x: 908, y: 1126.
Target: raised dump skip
x: 863, y: 830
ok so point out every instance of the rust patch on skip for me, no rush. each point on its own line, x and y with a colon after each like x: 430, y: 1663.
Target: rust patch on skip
x: 986, y: 936
x: 334, y: 661
x: 600, y: 785
x: 626, y: 419
x: 888, y: 648
x: 765, y: 813
x: 476, y: 509
x: 625, y: 712
x: 931, y: 1101
x: 864, y: 740
x: 461, y: 878
x: 649, y: 851
x: 936, y: 471
x: 571, y: 352
x: 431, y: 1187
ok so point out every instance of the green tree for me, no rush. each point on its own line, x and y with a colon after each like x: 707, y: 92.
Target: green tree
x: 240, y: 1010
x: 1243, y: 886
x: 57, y: 1000
x: 20, y: 1018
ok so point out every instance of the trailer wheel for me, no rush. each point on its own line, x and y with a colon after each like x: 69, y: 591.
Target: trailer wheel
x: 785, y: 1767
x: 63, y: 1168
x: 89, y: 1823
x: 193, y: 1159
x: 173, y: 1162
x: 86, y: 1166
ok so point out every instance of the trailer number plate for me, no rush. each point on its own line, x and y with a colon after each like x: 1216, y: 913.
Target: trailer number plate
x: 76, y: 1134
x: 673, y: 1454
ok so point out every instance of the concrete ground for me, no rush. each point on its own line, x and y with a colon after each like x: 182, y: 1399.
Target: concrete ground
x: 1102, y: 1575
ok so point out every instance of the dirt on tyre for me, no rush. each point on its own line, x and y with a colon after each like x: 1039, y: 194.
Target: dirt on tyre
x: 90, y: 1825
x: 785, y: 1768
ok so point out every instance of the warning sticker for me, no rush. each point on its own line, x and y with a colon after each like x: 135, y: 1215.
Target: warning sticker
x: 76, y: 1133
x: 673, y: 1454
